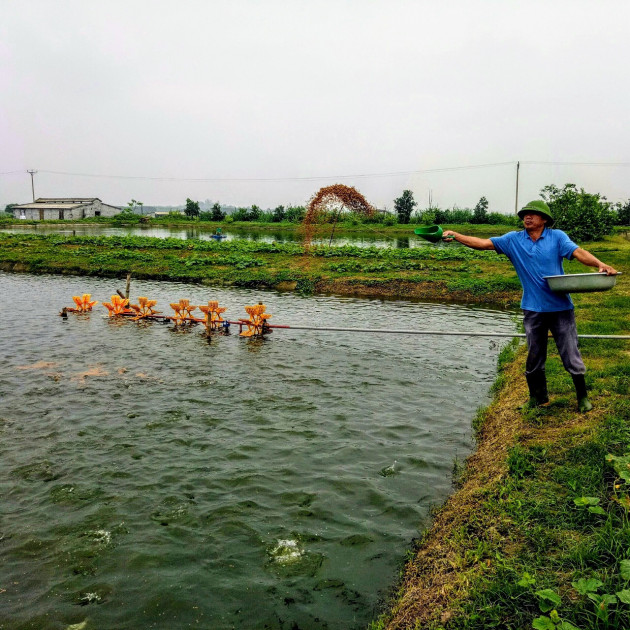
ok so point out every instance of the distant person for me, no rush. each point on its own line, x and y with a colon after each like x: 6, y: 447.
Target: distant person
x: 535, y: 252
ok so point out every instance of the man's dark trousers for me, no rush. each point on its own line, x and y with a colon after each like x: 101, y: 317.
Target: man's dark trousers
x: 564, y: 331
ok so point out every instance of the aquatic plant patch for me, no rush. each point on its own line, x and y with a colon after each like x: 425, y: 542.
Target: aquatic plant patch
x: 426, y: 270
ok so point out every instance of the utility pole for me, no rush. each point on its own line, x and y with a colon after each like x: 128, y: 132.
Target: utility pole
x: 32, y: 183
x: 518, y: 167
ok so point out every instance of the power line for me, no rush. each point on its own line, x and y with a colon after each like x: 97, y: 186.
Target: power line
x: 281, y: 179
x: 325, y: 177
x: 576, y: 163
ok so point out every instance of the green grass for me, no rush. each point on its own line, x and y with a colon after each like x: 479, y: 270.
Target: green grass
x: 265, y: 265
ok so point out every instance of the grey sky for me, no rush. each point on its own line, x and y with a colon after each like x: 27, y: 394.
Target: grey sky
x: 238, y: 89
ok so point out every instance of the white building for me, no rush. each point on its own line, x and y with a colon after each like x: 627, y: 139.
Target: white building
x: 66, y: 208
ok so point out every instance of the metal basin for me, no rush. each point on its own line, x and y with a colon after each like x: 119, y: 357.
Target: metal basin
x: 581, y: 282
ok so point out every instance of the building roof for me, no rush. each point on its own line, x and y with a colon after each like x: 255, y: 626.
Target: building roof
x: 65, y: 199
x: 63, y: 203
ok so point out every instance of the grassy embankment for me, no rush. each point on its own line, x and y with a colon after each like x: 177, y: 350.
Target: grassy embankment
x: 537, y: 534
x: 539, y: 522
x: 428, y: 272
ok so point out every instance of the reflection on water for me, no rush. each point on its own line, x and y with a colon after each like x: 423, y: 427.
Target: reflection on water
x: 151, y: 478
x: 373, y: 238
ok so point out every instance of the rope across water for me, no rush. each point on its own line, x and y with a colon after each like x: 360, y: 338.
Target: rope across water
x: 432, y: 332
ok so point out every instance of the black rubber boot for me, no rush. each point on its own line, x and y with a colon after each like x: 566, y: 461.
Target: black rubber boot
x: 537, y: 384
x: 584, y: 404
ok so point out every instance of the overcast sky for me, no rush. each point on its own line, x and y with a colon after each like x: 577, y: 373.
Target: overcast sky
x: 147, y: 94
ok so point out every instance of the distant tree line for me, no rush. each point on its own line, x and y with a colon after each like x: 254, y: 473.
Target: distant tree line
x: 584, y: 216
x: 280, y: 214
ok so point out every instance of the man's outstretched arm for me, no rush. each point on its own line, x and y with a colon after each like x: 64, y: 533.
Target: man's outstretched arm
x: 470, y: 241
x: 586, y: 258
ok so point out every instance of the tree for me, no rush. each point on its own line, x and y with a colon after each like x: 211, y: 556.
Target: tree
x: 623, y: 213
x: 217, y: 213
x: 254, y: 213
x: 480, y: 213
x: 404, y: 206
x: 583, y: 216
x: 133, y: 207
x: 192, y: 208
x: 278, y: 214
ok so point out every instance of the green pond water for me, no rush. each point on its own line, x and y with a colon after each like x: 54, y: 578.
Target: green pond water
x: 152, y: 478
x: 372, y: 236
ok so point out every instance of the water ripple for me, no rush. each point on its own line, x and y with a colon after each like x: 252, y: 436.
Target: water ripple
x: 150, y: 479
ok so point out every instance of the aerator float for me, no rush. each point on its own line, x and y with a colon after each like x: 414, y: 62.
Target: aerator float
x: 254, y: 326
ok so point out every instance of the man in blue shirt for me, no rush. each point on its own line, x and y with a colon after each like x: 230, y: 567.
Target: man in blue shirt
x: 535, y: 252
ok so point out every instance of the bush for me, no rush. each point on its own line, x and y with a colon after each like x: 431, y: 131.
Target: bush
x: 623, y: 213
x: 442, y: 216
x: 496, y: 218
x: 240, y: 214
x: 126, y: 216
x: 428, y: 217
x: 583, y: 216
x: 295, y: 214
x: 461, y: 216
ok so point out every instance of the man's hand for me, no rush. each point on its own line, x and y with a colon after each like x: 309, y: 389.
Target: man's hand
x: 608, y: 269
x: 448, y: 236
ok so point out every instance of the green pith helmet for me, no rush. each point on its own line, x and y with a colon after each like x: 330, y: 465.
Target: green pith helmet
x: 540, y: 207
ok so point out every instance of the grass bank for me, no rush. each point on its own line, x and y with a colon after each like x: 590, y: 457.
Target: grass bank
x: 537, y: 532
x: 431, y: 272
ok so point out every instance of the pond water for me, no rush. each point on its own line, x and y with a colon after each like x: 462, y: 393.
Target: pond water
x: 375, y: 236
x: 152, y: 478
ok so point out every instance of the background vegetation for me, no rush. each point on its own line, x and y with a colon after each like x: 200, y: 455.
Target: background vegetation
x: 584, y: 216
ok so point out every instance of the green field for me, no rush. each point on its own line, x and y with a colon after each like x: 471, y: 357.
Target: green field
x: 432, y: 271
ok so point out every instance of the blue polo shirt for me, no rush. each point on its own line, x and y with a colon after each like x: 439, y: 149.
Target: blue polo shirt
x: 535, y: 259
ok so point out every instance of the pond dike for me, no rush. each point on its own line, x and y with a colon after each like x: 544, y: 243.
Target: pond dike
x: 517, y: 528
